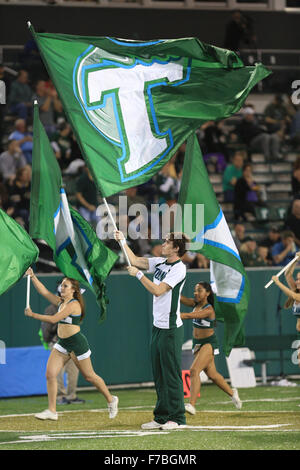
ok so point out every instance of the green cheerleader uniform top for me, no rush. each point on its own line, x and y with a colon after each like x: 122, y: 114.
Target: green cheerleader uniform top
x: 204, y: 322
x: 72, y: 319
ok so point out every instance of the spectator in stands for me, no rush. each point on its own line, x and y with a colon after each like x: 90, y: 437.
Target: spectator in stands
x: 5, y: 203
x: 284, y: 251
x: 249, y: 254
x: 63, y: 140
x: 276, y: 116
x: 263, y: 255
x: 24, y: 139
x: 133, y: 197
x: 295, y: 130
x: 292, y: 221
x: 4, y: 91
x: 20, y: 96
x: 48, y: 103
x: 213, y: 145
x: 256, y: 138
x: 5, y: 78
x: 201, y: 262
x: 272, y: 238
x: 31, y: 59
x: 232, y: 173
x: 246, y: 194
x: 189, y: 258
x: 87, y: 196
x: 19, y: 194
x: 166, y: 182
x: 296, y: 178
x: 148, y: 191
x: 238, y: 235
x: 11, y: 161
x: 239, y: 31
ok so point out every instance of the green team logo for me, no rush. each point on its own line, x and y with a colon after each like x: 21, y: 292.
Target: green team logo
x: 115, y: 94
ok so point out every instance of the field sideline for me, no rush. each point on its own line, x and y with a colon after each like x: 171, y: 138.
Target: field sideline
x: 269, y: 420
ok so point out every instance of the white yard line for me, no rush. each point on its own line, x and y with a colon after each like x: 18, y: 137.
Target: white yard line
x: 53, y: 436
x: 261, y: 400
x: 150, y: 408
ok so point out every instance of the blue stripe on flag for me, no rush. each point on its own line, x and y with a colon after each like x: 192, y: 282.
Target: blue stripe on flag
x: 63, y: 246
x: 75, y: 93
x: 223, y: 247
x: 124, y: 43
x: 200, y: 237
x: 238, y: 297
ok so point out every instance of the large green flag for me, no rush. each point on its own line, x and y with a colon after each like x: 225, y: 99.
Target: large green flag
x: 211, y: 236
x: 78, y: 252
x: 17, y: 251
x: 132, y: 104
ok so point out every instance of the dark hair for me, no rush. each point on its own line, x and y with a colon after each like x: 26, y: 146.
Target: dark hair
x: 179, y: 240
x: 287, y: 234
x: 246, y: 165
x: 77, y: 295
x: 207, y: 287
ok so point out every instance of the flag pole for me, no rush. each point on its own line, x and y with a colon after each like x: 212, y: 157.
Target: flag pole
x: 28, y: 292
x: 285, y: 268
x: 115, y: 227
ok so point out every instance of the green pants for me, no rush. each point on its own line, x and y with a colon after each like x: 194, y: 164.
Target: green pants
x: 166, y: 366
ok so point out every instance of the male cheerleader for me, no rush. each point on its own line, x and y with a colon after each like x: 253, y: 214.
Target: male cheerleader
x: 167, y: 332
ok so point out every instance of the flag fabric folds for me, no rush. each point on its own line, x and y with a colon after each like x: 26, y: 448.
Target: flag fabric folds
x: 213, y: 239
x: 78, y: 252
x: 17, y: 251
x: 132, y: 104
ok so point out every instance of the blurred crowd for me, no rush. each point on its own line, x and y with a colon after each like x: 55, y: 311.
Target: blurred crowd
x: 227, y: 148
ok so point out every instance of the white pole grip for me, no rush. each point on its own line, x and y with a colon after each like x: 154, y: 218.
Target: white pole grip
x: 282, y: 271
x: 115, y: 227
x: 28, y: 292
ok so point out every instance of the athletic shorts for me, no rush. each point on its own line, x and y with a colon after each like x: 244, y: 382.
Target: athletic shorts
x: 77, y: 344
x: 199, y: 342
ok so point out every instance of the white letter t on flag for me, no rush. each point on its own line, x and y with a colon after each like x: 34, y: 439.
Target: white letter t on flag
x: 143, y: 145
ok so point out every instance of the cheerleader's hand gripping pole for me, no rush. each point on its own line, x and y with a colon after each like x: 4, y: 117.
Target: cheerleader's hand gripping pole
x: 285, y: 268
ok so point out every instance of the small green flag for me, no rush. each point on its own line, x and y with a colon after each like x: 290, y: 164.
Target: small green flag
x: 17, y: 251
x: 132, y: 104
x: 78, y: 252
x: 211, y: 236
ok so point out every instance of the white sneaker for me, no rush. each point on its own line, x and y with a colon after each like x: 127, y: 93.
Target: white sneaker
x: 236, y: 399
x: 113, y: 407
x: 47, y: 414
x: 151, y: 425
x: 170, y: 425
x: 190, y: 409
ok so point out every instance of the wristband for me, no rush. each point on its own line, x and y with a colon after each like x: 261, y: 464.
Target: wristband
x: 123, y: 241
x: 139, y: 275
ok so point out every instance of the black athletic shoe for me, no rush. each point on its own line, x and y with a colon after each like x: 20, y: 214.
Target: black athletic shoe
x: 62, y: 401
x: 76, y: 401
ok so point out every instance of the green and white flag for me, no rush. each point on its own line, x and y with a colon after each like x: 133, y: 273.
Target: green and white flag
x: 78, y: 252
x: 213, y: 239
x: 17, y: 251
x: 132, y: 104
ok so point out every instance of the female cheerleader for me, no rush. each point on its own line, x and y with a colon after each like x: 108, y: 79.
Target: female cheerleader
x: 293, y: 293
x: 205, y: 344
x: 70, y: 342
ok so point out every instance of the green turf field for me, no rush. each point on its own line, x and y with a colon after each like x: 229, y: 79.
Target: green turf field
x: 269, y: 419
